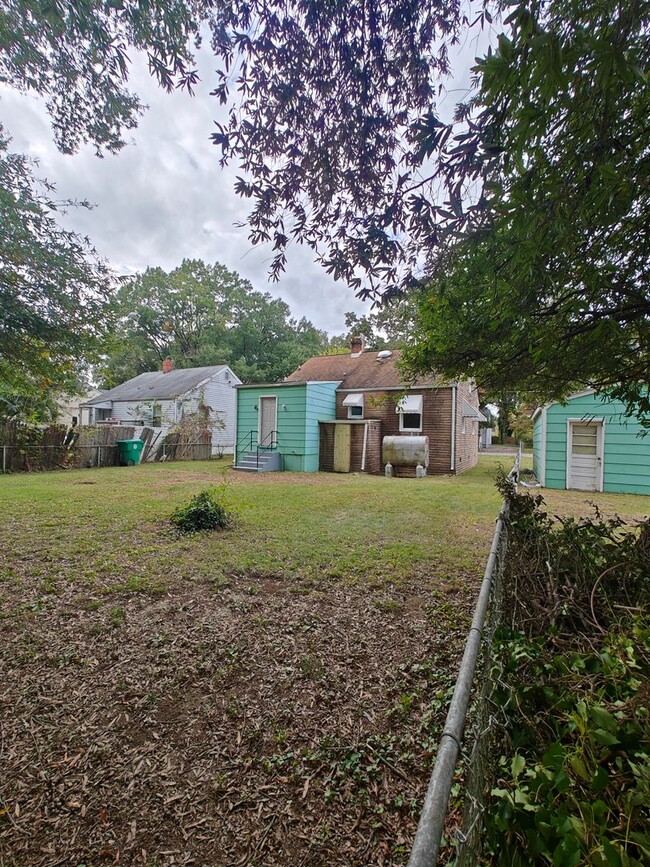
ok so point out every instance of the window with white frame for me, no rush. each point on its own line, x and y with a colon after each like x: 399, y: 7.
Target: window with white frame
x: 410, y: 413
x: 354, y: 403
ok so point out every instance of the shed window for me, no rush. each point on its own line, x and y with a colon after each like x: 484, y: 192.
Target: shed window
x: 410, y: 412
x: 354, y: 403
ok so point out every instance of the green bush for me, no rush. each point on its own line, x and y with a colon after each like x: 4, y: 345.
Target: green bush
x: 571, y: 675
x: 205, y: 511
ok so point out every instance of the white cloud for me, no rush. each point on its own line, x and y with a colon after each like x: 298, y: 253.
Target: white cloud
x: 165, y: 198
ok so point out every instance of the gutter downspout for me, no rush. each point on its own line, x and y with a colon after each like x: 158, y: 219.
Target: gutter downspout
x: 365, y: 443
x: 453, y: 427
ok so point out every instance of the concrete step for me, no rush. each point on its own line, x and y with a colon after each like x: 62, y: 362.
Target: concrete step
x: 268, y: 462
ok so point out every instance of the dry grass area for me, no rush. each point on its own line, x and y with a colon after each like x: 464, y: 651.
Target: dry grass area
x: 578, y: 504
x: 270, y: 695
x: 583, y: 504
x: 253, y: 725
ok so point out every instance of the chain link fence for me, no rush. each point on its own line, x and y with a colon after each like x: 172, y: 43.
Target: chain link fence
x: 488, y: 720
x: 474, y: 750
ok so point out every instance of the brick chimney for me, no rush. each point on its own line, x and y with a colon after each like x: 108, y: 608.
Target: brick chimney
x: 168, y: 365
x: 356, y: 347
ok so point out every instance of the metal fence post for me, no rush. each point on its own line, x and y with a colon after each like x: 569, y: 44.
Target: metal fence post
x: 426, y: 846
x: 4, y: 459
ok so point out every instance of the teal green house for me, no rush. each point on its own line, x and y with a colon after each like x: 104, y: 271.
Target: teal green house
x: 588, y: 444
x: 277, y: 425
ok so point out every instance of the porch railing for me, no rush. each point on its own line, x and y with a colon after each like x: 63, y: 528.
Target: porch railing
x: 263, y: 446
x: 245, y: 443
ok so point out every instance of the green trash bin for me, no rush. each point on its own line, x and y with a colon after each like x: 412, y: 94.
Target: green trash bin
x: 130, y: 452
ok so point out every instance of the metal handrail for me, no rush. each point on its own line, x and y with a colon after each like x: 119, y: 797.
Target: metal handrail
x: 251, y: 436
x: 266, y: 448
x: 426, y: 845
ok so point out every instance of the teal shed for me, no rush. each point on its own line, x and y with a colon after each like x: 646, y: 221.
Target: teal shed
x: 277, y: 425
x: 588, y: 444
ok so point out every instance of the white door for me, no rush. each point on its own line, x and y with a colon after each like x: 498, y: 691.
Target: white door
x: 585, y: 455
x: 268, y: 421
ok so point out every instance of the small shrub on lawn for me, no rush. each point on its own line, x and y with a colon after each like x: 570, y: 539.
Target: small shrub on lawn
x: 205, y: 511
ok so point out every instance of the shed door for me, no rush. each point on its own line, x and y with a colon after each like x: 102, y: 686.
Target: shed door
x: 585, y: 448
x: 342, y: 448
x: 268, y: 420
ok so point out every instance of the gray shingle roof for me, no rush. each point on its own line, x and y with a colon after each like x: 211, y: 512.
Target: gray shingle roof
x: 158, y: 385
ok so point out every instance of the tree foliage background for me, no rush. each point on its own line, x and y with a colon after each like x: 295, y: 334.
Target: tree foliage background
x: 547, y: 286
x: 53, y: 291
x: 519, y: 227
x: 200, y: 314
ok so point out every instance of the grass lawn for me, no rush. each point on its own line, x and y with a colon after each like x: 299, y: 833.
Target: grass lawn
x: 267, y: 695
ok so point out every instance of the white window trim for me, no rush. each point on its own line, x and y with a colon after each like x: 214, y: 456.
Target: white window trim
x: 354, y: 401
x: 409, y: 429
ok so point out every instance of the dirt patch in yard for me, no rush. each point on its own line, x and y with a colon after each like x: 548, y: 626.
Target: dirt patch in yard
x: 253, y: 721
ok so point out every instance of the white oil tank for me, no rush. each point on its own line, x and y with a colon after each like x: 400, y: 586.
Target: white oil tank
x: 405, y: 451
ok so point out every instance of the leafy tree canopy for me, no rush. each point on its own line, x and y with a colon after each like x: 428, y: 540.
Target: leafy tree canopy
x: 52, y: 287
x: 527, y: 212
x: 332, y: 117
x: 76, y: 55
x: 52, y: 290
x: 202, y: 314
x: 548, y: 287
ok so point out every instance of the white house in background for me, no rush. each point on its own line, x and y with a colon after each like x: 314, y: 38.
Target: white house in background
x: 160, y: 399
x: 73, y: 409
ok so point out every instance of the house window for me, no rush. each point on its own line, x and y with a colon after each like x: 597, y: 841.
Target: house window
x: 410, y: 413
x: 354, y: 403
x: 156, y: 415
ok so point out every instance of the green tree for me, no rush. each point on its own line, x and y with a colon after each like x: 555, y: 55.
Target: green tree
x: 201, y: 314
x: 53, y: 289
x: 527, y: 214
x: 548, y: 288
x: 533, y: 199
x: 76, y: 55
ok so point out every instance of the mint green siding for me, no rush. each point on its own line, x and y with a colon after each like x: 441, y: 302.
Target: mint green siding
x: 300, y: 407
x: 626, y: 455
x: 321, y: 406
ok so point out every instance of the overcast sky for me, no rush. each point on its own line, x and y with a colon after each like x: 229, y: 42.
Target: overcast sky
x: 165, y: 198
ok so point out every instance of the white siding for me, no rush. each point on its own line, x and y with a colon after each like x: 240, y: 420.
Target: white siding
x: 218, y: 393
